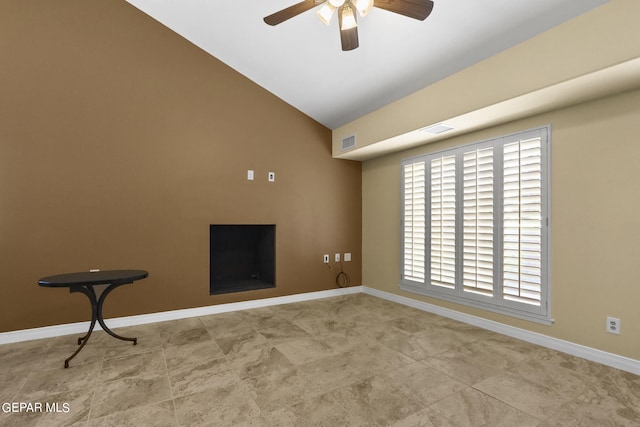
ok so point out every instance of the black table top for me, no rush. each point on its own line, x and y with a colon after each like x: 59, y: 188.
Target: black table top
x: 93, y: 278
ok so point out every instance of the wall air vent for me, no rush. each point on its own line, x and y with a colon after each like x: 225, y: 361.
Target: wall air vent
x: 436, y: 129
x: 348, y: 142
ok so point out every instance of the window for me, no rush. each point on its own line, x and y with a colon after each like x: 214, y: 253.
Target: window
x: 475, y: 225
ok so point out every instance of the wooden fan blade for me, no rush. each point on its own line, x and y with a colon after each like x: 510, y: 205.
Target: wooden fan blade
x: 290, y: 12
x: 417, y: 9
x: 348, y: 37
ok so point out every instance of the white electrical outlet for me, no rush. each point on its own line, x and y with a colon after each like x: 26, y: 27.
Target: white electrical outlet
x: 250, y: 175
x: 613, y: 325
x: 325, y: 258
x: 347, y: 256
x: 337, y: 257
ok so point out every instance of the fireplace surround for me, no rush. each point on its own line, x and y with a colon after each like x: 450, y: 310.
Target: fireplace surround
x: 242, y: 257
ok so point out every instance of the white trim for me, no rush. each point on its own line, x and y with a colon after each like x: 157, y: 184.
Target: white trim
x: 119, y: 322
x: 595, y: 355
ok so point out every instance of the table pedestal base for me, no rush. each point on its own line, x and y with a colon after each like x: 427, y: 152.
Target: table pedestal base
x: 96, y: 314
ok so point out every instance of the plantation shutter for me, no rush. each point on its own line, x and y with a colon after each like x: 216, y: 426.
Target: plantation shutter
x: 476, y: 225
x: 478, y: 220
x: 522, y: 222
x: 443, y: 222
x: 414, y: 214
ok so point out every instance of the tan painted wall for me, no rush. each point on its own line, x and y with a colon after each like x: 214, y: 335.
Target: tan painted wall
x: 595, y: 226
x: 120, y: 142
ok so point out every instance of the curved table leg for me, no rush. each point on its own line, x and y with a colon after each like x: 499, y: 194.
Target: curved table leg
x: 90, y: 293
x: 103, y: 296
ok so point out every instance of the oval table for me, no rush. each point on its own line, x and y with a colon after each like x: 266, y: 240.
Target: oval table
x: 84, y: 282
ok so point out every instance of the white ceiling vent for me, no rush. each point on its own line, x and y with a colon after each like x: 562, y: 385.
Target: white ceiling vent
x: 436, y: 129
x: 348, y: 142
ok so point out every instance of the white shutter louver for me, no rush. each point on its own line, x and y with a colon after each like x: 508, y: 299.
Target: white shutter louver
x: 522, y: 226
x: 443, y: 222
x: 477, y: 220
x: 476, y: 225
x: 414, y: 214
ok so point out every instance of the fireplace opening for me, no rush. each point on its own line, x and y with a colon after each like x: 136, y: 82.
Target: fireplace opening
x: 242, y: 257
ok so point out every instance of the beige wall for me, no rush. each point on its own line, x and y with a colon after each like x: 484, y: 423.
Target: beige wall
x: 595, y: 226
x: 120, y: 142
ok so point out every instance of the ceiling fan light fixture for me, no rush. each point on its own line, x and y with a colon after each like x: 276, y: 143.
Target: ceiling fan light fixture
x: 363, y: 6
x: 336, y: 3
x: 325, y: 13
x: 348, y: 17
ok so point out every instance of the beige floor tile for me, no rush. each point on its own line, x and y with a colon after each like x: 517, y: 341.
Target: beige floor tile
x: 552, y: 359
x: 259, y: 361
x: 300, y: 311
x: 257, y: 317
x: 471, y: 408
x: 226, y: 324
x: 305, y: 350
x: 128, y: 393
x: 596, y: 407
x: 377, y: 358
x: 117, y: 368
x: 345, y: 339
x: 23, y: 356
x: 473, y: 362
x: 63, y: 347
x: 332, y: 372
x: 408, y: 324
x: 324, y: 324
x: 425, y: 383
x: 280, y: 389
x: 321, y: 411
x: 540, y: 398
x: 349, y: 360
x: 155, y: 415
x: 415, y: 346
x: 170, y: 326
x: 376, y: 402
x: 421, y: 345
x: 187, y: 356
x: 10, y: 383
x: 425, y: 418
x: 195, y: 378
x: 242, y: 342
x: 622, y: 385
x: 187, y: 336
x: 229, y: 405
x: 56, y: 380
x: 513, y: 344
x: 148, y: 340
x: 283, y: 332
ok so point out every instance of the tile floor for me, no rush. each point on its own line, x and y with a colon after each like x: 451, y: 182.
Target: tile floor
x: 354, y: 360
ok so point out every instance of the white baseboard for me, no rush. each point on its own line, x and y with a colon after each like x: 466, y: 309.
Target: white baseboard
x: 595, y: 355
x: 120, y: 322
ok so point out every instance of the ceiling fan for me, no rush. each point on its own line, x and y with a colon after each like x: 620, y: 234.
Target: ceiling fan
x: 417, y: 9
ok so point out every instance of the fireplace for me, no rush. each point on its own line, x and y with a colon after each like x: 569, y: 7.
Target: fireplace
x: 242, y: 257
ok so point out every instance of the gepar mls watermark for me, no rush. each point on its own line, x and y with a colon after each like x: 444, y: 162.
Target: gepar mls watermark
x: 18, y: 407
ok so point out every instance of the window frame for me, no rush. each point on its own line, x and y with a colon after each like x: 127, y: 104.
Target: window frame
x: 496, y: 302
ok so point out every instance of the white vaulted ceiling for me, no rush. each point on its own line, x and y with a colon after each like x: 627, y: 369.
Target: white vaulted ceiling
x: 301, y: 60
